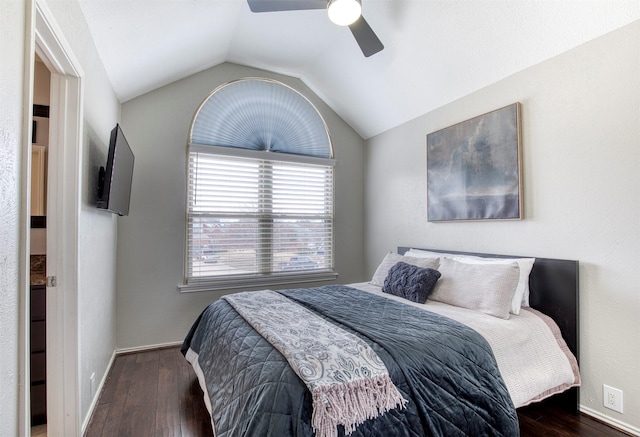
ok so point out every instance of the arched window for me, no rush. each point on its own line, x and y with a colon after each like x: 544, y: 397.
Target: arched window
x: 260, y: 188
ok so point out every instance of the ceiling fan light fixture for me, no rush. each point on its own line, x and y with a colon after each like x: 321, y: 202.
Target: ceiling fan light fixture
x: 344, y: 12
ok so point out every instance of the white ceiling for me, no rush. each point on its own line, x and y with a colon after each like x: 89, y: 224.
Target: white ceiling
x: 435, y: 50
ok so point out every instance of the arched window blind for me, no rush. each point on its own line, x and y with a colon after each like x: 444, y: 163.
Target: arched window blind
x: 261, y: 114
x: 260, y: 189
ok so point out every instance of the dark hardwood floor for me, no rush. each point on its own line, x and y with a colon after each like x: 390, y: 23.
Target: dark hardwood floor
x: 156, y: 393
x: 152, y: 393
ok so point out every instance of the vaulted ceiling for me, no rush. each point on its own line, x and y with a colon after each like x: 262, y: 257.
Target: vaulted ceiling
x: 435, y: 50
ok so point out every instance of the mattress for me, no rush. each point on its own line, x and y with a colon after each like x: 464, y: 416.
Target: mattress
x: 532, y: 356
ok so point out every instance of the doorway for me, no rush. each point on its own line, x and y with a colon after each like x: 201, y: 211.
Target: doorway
x: 38, y: 248
x: 62, y: 205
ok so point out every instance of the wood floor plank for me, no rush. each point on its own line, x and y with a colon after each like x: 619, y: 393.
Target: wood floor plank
x: 167, y: 408
x: 114, y: 396
x: 98, y: 419
x: 120, y: 398
x: 540, y: 420
x: 150, y: 355
x: 109, y: 391
x: 139, y: 415
x: 156, y: 394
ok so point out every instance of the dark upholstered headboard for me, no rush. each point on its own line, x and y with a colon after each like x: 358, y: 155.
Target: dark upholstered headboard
x: 554, y: 291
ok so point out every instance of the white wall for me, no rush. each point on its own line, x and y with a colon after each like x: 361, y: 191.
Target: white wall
x: 12, y: 44
x: 581, y: 141
x: 97, y: 230
x: 150, y: 309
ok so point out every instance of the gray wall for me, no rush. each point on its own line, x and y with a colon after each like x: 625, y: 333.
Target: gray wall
x: 581, y: 141
x: 150, y: 308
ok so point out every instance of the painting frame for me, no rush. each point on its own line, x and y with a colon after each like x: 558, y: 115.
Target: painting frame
x: 474, y: 168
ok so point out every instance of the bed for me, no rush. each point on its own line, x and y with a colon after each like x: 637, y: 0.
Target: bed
x: 454, y: 367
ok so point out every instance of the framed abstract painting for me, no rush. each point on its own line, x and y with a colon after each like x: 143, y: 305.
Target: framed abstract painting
x: 474, y: 168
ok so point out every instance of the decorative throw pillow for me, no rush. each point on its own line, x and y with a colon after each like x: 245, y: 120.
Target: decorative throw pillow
x: 488, y: 288
x: 410, y: 282
x: 392, y: 258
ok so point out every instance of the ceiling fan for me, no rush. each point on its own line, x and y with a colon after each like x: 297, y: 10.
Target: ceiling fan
x: 341, y: 12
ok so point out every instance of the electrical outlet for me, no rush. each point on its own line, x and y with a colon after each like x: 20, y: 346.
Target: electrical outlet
x: 92, y: 384
x: 612, y: 398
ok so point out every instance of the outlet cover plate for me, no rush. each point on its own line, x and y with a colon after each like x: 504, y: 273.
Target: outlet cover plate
x: 612, y: 398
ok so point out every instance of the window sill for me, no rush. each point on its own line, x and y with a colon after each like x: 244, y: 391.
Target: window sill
x: 244, y: 282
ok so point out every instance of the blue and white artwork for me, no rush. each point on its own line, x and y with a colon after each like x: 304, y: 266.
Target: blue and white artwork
x: 474, y: 167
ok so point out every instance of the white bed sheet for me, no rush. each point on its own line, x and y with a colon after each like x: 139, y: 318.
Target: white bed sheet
x: 533, y: 359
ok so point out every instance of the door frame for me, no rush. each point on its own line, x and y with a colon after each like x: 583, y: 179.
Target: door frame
x: 45, y: 38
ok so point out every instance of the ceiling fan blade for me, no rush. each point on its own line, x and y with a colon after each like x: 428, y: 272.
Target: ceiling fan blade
x: 365, y: 37
x: 285, y: 5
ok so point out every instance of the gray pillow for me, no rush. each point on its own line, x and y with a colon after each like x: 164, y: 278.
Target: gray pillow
x: 488, y: 288
x: 410, y: 282
x: 393, y: 258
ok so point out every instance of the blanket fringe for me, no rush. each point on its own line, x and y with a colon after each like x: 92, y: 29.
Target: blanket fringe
x: 351, y: 403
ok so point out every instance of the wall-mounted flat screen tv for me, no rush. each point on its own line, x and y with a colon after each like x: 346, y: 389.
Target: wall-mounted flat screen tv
x: 114, y: 181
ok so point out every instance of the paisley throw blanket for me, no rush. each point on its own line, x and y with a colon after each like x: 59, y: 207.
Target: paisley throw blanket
x: 349, y: 383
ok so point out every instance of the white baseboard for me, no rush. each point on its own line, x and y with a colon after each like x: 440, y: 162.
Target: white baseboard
x: 613, y: 422
x: 96, y: 395
x: 128, y: 350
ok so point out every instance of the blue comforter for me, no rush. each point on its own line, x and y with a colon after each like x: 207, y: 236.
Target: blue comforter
x: 445, y: 369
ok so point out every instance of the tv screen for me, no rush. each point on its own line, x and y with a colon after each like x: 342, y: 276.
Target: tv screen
x: 114, y: 182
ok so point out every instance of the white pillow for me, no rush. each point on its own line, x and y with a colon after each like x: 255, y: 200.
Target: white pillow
x: 521, y: 296
x: 488, y: 288
x: 393, y: 258
x: 420, y: 253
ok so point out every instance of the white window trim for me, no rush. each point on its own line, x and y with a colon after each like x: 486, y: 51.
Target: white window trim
x: 233, y: 282
x: 252, y: 281
x: 259, y: 154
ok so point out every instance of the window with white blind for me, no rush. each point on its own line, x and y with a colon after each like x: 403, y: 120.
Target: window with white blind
x: 260, y: 189
x: 257, y: 218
